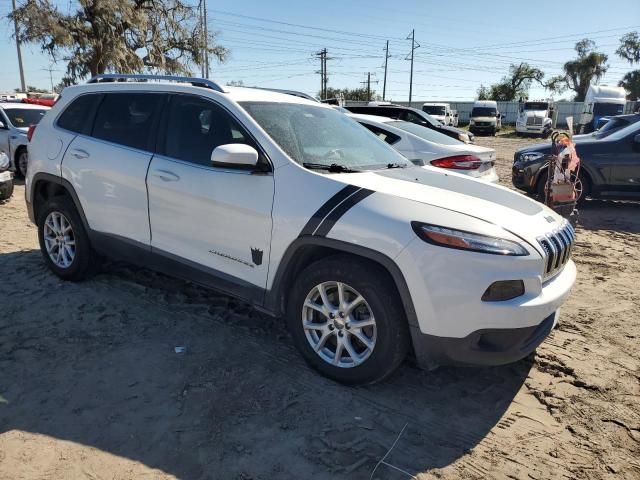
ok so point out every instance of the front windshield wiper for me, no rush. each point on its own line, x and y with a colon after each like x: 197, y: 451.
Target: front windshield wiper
x: 333, y: 168
x: 397, y: 165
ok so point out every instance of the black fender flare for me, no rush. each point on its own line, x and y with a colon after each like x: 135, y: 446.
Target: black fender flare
x: 273, y: 296
x: 57, y: 180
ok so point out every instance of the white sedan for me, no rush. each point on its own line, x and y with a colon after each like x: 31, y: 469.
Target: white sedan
x: 424, y: 146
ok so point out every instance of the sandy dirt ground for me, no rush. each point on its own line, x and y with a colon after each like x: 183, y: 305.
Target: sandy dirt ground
x: 91, y: 387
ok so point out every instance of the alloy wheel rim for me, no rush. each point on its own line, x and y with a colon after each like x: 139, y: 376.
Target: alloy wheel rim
x: 339, y: 324
x: 59, y: 240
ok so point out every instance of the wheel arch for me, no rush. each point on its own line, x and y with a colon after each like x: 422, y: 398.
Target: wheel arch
x: 45, y: 186
x: 307, y: 249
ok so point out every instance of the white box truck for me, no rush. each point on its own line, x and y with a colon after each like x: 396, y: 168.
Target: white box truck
x: 600, y: 101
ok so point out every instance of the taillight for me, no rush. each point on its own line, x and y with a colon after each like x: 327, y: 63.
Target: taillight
x: 458, y: 162
x: 32, y: 128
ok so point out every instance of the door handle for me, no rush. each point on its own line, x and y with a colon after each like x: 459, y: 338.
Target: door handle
x: 166, y: 176
x: 79, y: 154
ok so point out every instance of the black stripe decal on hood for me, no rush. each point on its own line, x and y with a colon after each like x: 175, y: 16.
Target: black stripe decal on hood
x: 326, y: 208
x: 327, y: 224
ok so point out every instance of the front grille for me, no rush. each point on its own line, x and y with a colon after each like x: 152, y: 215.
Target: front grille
x: 534, y: 121
x: 557, y: 246
x: 483, y: 124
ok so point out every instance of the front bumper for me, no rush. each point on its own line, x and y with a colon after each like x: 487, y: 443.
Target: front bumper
x: 488, y: 347
x: 482, y: 128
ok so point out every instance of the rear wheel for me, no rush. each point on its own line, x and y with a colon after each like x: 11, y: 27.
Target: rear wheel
x: 64, y: 242
x: 347, y: 322
x: 6, y: 190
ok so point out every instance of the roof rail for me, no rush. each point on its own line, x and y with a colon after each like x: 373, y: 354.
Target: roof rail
x: 124, y: 77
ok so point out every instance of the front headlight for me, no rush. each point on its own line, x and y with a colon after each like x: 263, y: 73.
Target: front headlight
x: 461, y: 240
x: 4, y: 161
x: 529, y: 157
x: 472, y: 122
x: 463, y: 137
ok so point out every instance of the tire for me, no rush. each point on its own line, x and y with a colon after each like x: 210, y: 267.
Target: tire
x: 84, y: 261
x: 6, y: 190
x: 22, y: 162
x: 388, y: 336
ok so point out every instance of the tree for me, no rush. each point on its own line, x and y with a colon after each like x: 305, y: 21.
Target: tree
x: 123, y: 36
x: 629, y: 48
x: 581, y: 72
x: 235, y: 83
x: 31, y: 89
x: 631, y: 83
x: 357, y: 94
x: 513, y: 86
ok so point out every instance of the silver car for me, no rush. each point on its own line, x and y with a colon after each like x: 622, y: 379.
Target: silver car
x: 15, y: 119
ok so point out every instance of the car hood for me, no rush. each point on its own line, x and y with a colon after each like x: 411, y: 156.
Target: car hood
x: 455, y: 192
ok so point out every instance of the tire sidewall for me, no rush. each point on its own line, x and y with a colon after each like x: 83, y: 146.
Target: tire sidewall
x: 391, y: 327
x: 80, y: 264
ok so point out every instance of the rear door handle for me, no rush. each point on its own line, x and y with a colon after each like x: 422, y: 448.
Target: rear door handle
x: 79, y: 154
x: 166, y: 176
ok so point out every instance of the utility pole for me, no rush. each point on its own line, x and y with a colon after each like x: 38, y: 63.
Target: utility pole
x: 206, y: 40
x: 323, y: 72
x: 414, y: 45
x: 386, y: 58
x: 50, y: 70
x: 367, y: 82
x: 23, y: 85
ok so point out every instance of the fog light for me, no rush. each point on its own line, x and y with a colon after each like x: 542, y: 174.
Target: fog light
x: 503, y: 290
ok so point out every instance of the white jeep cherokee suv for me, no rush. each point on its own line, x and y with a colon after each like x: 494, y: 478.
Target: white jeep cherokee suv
x: 298, y: 209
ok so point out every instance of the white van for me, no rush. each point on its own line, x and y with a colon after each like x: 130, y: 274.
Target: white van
x: 600, y: 101
x: 485, y: 117
x: 441, y: 112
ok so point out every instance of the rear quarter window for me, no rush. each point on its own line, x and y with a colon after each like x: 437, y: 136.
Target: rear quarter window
x: 78, y: 115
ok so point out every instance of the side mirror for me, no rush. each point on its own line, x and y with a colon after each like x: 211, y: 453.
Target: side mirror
x: 235, y: 155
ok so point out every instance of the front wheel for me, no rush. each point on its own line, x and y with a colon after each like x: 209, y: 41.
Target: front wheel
x: 22, y: 162
x: 64, y: 242
x: 347, y: 322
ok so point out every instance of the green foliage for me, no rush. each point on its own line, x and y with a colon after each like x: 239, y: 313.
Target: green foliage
x: 513, y: 86
x: 578, y: 74
x: 631, y: 83
x: 32, y: 89
x: 235, y: 83
x: 356, y: 94
x: 123, y: 36
x: 629, y: 48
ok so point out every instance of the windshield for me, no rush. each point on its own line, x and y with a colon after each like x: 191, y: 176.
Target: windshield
x: 317, y: 135
x: 611, y: 125
x: 535, y: 106
x: 604, y: 109
x: 483, y: 112
x: 23, y: 117
x: 425, y: 133
x: 434, y: 109
x: 632, y: 129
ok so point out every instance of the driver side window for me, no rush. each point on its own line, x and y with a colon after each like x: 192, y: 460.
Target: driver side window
x: 196, y: 126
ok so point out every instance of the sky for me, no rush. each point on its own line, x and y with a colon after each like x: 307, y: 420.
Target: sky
x: 463, y: 44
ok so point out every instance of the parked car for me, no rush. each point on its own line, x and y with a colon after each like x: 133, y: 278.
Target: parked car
x: 535, y: 118
x: 609, y: 166
x: 485, y: 117
x: 412, y: 115
x: 294, y: 207
x: 612, y: 125
x: 15, y: 119
x: 600, y: 101
x: 441, y: 112
x: 424, y: 146
x: 6, y: 177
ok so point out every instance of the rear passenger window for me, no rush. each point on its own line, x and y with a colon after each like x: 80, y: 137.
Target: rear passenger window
x: 78, y: 114
x: 127, y: 118
x: 195, y: 127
